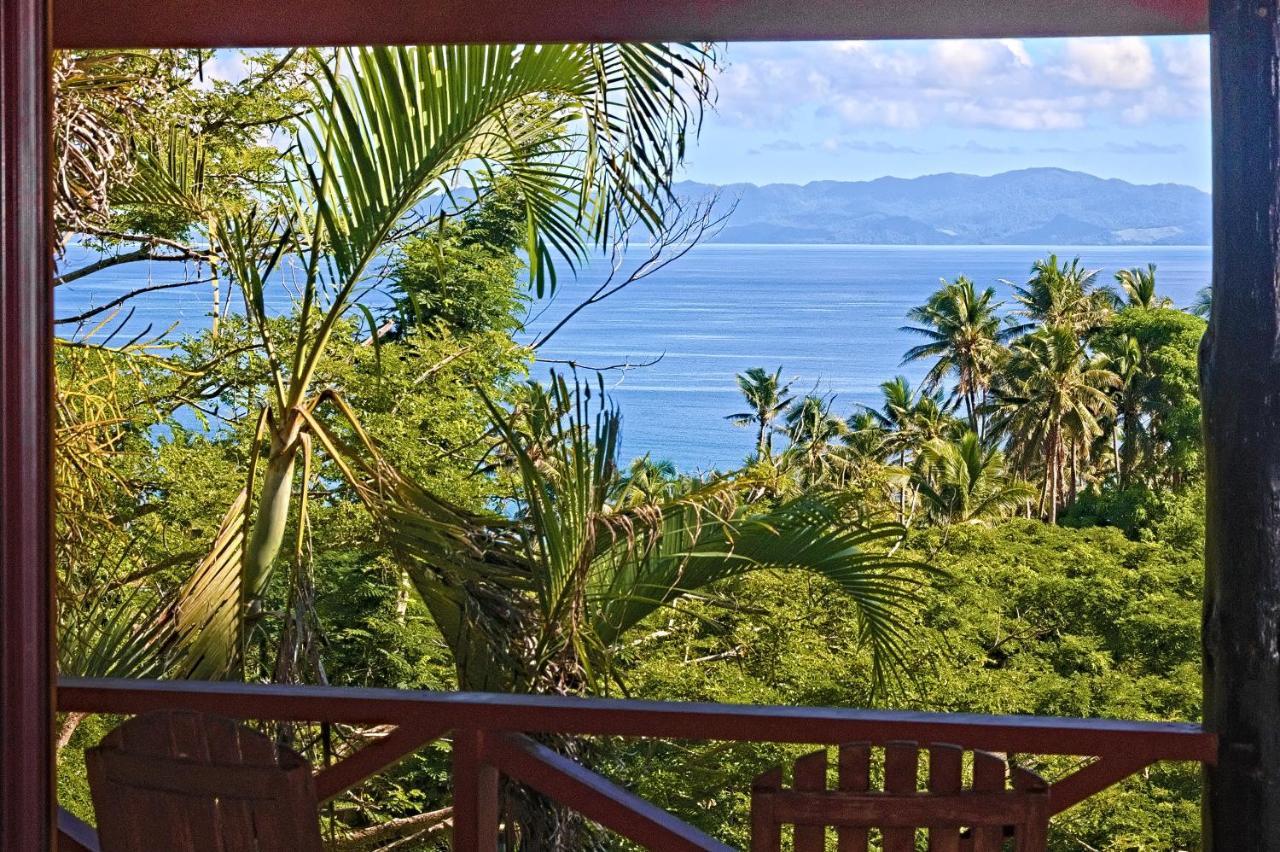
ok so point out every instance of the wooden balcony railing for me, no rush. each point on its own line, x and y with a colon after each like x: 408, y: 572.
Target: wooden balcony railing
x: 490, y: 734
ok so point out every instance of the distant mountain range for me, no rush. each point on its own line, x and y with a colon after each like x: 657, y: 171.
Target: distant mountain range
x: 1042, y: 207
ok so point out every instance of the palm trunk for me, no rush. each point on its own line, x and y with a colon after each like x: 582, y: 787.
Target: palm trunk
x: 1053, y: 469
x: 971, y: 404
x: 1073, y: 484
x: 272, y: 517
x: 1115, y: 450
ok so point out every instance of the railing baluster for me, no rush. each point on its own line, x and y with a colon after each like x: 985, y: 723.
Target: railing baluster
x: 475, y: 794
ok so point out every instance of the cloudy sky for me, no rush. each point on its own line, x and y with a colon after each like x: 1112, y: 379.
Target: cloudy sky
x: 1132, y: 108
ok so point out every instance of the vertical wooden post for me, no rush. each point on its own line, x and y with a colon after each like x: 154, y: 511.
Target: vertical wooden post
x: 475, y: 795
x: 1240, y: 387
x: 26, y: 509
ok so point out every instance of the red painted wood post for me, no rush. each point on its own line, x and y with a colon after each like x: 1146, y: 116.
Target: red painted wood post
x: 1240, y: 389
x: 475, y: 794
x: 26, y: 462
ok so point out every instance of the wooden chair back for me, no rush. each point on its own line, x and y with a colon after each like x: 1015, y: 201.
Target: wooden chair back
x: 193, y: 782
x: 977, y: 819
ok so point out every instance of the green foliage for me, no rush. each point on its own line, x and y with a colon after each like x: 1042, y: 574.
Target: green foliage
x: 1030, y: 619
x: 1166, y: 390
x: 457, y: 527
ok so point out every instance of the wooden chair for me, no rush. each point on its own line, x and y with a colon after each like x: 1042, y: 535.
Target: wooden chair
x: 977, y: 819
x: 192, y: 782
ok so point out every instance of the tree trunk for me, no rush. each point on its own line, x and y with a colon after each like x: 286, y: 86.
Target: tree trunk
x: 1240, y: 389
x: 1115, y: 448
x: 1073, y: 485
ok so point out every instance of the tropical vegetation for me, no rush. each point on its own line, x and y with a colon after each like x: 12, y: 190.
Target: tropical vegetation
x: 345, y: 472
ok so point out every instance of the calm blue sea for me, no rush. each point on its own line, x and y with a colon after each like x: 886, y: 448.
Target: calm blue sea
x: 830, y: 316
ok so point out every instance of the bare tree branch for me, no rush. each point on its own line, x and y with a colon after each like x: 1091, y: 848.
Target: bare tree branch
x: 624, y: 366
x: 685, y: 227
x: 120, y: 300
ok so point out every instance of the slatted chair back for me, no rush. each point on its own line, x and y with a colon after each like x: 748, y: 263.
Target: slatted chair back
x: 979, y: 818
x: 193, y: 782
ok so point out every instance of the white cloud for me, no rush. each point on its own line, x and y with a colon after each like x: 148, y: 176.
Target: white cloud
x: 880, y: 112
x: 1006, y: 84
x: 965, y: 61
x: 1187, y: 61
x: 1015, y: 115
x: 1109, y: 63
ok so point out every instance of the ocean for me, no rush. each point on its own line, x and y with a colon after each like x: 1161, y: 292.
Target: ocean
x: 829, y: 315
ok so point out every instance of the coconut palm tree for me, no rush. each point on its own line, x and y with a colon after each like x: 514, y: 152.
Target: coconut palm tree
x: 1051, y: 399
x: 768, y: 397
x: 1060, y: 294
x: 1203, y: 303
x: 588, y: 135
x: 646, y: 481
x: 1139, y: 287
x: 813, y: 431
x: 865, y: 437
x: 909, y: 418
x: 1126, y: 363
x: 965, y: 336
x: 963, y: 481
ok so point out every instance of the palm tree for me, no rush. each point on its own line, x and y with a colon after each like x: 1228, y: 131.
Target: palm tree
x: 865, y: 436
x: 964, y: 481
x: 813, y: 431
x: 1062, y: 295
x: 1203, y: 303
x: 541, y: 598
x: 538, y: 599
x: 964, y: 334
x: 1139, y: 287
x: 768, y: 397
x: 1126, y: 363
x: 588, y: 135
x: 909, y: 418
x: 647, y: 481
x: 1051, y: 398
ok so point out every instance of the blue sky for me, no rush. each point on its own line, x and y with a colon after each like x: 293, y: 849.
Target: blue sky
x: 1131, y: 108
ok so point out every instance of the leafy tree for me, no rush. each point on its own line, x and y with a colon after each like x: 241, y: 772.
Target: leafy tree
x: 1160, y: 397
x: 768, y: 397
x: 1030, y: 618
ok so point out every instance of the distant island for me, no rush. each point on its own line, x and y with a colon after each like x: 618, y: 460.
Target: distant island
x: 1041, y: 206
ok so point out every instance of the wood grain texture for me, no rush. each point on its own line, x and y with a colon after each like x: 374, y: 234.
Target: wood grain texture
x: 226, y: 23
x: 629, y: 718
x: 990, y: 809
x: 26, y: 430
x: 1240, y: 391
x: 193, y: 782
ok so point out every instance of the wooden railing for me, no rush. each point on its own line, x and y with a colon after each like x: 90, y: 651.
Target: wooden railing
x: 490, y: 734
